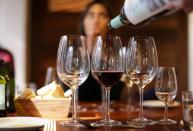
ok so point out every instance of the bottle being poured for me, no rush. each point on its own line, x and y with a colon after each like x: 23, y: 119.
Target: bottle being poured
x: 138, y: 12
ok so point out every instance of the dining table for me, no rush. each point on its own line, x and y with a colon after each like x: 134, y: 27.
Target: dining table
x: 91, y: 111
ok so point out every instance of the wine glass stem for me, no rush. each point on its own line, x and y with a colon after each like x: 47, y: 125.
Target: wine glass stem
x: 74, y: 104
x: 103, y: 92
x: 107, y: 104
x: 166, y: 112
x: 141, y: 104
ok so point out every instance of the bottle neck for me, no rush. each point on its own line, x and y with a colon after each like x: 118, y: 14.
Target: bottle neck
x: 119, y: 21
x: 116, y: 23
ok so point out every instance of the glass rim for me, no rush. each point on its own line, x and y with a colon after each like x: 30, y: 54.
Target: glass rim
x: 108, y: 36
x: 186, y: 95
x: 145, y: 37
x: 166, y: 67
x: 78, y: 36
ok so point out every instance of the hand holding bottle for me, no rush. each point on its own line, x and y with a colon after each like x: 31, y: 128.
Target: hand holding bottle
x: 187, y: 5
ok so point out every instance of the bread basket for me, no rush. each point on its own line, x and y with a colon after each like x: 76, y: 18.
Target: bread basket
x: 54, y: 108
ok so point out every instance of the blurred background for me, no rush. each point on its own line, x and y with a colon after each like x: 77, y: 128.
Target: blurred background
x: 31, y: 30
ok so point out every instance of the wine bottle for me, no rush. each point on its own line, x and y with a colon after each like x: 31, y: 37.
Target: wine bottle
x: 138, y: 12
x: 10, y: 88
x: 2, y: 90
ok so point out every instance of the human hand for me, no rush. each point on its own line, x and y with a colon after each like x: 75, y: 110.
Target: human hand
x: 187, y: 5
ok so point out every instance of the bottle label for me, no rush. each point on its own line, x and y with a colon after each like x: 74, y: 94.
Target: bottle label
x: 140, y: 10
x: 2, y: 96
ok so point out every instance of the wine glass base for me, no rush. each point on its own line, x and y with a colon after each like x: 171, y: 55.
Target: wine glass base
x: 81, y: 109
x: 168, y: 122
x: 141, y: 122
x: 110, y: 123
x: 134, y: 125
x: 71, y: 123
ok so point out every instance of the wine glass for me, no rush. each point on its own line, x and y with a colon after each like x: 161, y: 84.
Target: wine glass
x: 166, y: 89
x: 73, y: 67
x: 51, y: 75
x: 141, y: 68
x: 107, y: 67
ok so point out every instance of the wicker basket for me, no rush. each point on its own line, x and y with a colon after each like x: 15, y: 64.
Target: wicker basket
x: 56, y: 108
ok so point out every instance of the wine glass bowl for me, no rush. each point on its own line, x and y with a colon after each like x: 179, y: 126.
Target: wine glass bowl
x: 141, y: 68
x: 166, y: 89
x: 73, y: 66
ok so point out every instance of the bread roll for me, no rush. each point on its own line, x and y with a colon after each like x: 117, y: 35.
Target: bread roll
x: 52, y: 90
x: 27, y: 94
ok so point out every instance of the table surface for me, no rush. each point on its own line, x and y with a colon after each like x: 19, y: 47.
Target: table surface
x: 121, y: 113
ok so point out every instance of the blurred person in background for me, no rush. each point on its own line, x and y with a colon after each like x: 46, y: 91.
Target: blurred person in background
x: 94, y: 22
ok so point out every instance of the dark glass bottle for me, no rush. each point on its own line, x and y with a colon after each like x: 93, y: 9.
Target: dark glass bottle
x: 3, y: 111
x: 10, y: 88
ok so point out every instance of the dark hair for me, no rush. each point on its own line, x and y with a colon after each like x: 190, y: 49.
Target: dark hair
x: 84, y: 13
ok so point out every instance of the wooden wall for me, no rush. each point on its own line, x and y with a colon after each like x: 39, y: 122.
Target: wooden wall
x: 46, y: 29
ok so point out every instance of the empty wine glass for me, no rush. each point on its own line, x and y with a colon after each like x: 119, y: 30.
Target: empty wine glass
x: 141, y: 67
x: 166, y: 89
x: 73, y: 67
x: 107, y: 67
x: 51, y: 75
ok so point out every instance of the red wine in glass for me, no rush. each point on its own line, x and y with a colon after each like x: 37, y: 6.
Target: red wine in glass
x: 108, y: 78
